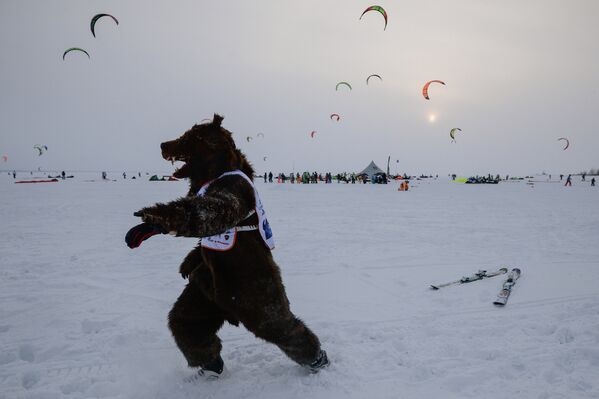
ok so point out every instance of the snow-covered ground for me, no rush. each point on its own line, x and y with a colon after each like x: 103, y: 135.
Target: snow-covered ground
x: 83, y: 316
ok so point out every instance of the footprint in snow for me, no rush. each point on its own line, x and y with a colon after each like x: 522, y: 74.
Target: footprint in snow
x: 564, y: 335
x: 78, y: 385
x: 7, y: 357
x: 26, y: 353
x: 94, y: 327
x: 30, y: 378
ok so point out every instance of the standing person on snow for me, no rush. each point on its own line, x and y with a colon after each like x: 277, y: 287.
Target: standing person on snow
x: 593, y: 182
x: 270, y: 177
x: 265, y: 177
x: 568, y: 181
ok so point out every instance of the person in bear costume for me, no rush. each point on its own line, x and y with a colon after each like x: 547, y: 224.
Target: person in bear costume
x: 232, y: 274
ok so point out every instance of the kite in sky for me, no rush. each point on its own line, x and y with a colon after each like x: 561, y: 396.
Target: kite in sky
x: 379, y: 9
x: 425, y: 88
x: 41, y: 148
x: 342, y: 84
x: 96, y: 18
x: 452, y: 133
x: 373, y: 75
x: 567, y: 142
x: 75, y: 49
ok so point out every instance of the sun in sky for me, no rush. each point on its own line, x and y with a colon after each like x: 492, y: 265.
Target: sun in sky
x: 432, y: 118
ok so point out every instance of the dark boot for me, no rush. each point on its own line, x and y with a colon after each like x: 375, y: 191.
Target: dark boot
x: 321, y: 362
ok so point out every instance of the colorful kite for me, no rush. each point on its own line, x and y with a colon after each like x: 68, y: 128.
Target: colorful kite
x: 312, y: 133
x: 379, y: 9
x: 336, y: 116
x: 425, y: 88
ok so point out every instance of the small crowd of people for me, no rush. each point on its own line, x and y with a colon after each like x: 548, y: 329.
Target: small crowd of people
x: 328, y: 178
x: 347, y: 178
x: 105, y: 175
x: 569, y: 180
x: 312, y: 178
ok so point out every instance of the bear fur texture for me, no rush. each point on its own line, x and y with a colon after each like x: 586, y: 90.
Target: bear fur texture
x: 242, y: 284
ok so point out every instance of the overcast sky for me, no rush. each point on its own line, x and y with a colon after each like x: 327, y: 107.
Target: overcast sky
x: 519, y: 75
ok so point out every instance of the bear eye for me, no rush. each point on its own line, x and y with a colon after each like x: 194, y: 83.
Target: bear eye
x: 192, y: 139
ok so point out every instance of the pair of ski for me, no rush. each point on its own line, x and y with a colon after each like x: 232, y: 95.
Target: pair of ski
x: 506, y: 290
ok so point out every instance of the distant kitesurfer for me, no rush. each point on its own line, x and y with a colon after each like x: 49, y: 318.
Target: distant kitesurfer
x: 569, y: 181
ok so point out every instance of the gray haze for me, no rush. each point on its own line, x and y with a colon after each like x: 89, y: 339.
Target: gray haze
x: 519, y: 74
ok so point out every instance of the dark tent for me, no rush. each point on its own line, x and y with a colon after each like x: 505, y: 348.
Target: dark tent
x: 371, y: 170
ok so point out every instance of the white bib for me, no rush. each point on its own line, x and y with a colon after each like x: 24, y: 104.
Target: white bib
x: 225, y: 241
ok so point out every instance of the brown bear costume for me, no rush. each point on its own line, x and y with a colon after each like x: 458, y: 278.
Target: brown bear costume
x: 242, y: 284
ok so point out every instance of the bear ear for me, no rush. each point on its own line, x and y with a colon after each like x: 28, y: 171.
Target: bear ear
x: 217, y: 120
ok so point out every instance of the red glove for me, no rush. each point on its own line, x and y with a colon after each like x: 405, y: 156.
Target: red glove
x: 140, y: 233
